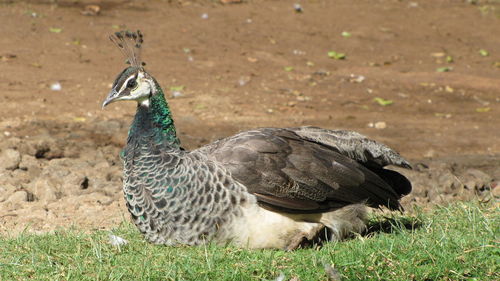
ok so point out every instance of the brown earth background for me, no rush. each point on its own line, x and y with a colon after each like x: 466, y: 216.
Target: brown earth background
x: 227, y: 67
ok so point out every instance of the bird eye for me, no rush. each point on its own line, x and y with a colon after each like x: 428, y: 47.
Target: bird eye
x: 131, y: 83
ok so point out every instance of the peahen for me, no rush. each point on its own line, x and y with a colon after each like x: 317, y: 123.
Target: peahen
x: 264, y: 188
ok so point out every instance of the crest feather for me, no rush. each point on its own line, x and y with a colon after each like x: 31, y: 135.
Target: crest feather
x: 130, y: 44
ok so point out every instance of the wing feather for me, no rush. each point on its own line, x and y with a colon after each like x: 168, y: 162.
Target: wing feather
x: 310, y: 169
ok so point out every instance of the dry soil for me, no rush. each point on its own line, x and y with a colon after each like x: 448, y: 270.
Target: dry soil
x: 421, y: 76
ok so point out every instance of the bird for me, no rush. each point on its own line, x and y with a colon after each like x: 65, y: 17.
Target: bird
x: 261, y: 188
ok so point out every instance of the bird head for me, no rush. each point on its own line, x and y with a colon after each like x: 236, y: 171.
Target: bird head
x: 133, y: 83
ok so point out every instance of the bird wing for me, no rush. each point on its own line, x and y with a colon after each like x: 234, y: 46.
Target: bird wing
x: 309, y: 169
x: 354, y: 145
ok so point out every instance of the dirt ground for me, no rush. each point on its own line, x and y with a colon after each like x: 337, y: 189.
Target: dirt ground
x: 230, y: 67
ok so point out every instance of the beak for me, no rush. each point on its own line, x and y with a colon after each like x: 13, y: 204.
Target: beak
x: 110, y: 98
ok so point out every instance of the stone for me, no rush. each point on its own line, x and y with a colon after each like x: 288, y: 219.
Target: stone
x: 44, y: 146
x: 20, y: 196
x: 58, y: 168
x: 12, y: 142
x: 380, y: 125
x: 6, y: 190
x: 448, y: 181
x: 9, y: 159
x: 475, y: 179
x: 44, y: 189
x: 30, y: 164
x: 20, y: 177
x: 76, y: 183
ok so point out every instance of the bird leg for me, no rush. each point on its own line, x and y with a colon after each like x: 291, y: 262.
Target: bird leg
x: 305, y: 238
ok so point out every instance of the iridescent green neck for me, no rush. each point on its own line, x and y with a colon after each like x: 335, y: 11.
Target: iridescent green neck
x: 154, y: 121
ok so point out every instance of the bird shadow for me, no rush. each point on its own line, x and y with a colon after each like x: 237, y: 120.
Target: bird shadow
x: 373, y: 227
x: 392, y: 225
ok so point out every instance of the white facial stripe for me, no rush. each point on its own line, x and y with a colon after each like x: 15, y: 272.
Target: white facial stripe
x: 124, y: 85
x: 141, y: 91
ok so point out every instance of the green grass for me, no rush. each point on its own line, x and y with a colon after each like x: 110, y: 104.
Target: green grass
x: 457, y: 242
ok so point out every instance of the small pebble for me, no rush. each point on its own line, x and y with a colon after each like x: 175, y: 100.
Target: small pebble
x: 298, y: 8
x: 56, y: 86
x: 244, y: 80
x: 91, y: 10
x: 204, y: 16
x: 357, y: 78
x: 177, y: 94
x: 380, y: 125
